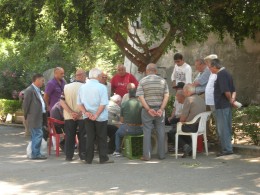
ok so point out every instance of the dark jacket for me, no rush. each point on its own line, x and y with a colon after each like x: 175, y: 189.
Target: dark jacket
x: 32, y: 108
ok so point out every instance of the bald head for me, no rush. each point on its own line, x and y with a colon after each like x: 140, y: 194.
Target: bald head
x: 58, y: 73
x: 151, y: 68
x: 81, y: 75
x: 130, y: 86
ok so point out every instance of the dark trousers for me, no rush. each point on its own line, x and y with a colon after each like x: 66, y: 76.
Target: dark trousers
x: 111, y: 131
x: 96, y: 130
x: 183, y: 139
x: 71, y: 128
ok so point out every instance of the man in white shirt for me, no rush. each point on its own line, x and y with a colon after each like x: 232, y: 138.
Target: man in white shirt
x: 182, y: 71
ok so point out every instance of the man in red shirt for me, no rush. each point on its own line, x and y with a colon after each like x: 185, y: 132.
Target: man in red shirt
x: 120, y: 81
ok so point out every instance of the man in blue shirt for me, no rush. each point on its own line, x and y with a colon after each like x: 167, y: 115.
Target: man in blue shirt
x: 92, y: 101
x: 224, y: 97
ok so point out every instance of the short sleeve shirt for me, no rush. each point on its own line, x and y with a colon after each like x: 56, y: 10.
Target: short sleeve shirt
x: 153, y: 88
x: 131, y: 111
x: 119, y: 83
x: 54, y: 91
x: 182, y: 73
x: 91, y: 95
x: 202, y: 78
x: 224, y: 83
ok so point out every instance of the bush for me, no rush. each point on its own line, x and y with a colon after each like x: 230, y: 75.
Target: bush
x: 248, y: 120
x: 9, y: 106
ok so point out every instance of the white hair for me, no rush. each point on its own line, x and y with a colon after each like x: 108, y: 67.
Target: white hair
x: 211, y: 57
x: 189, y: 87
x: 94, y: 73
x: 116, y: 98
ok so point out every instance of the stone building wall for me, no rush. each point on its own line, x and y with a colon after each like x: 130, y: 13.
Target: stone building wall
x: 243, y: 62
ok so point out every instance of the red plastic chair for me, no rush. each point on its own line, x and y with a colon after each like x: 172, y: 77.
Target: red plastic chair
x: 52, y: 133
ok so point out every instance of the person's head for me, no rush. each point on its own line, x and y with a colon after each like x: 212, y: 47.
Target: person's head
x: 151, y: 69
x: 200, y: 65
x: 209, y: 58
x: 130, y: 86
x: 81, y: 75
x: 121, y: 70
x: 95, y: 73
x: 38, y: 80
x: 116, y: 98
x: 188, y: 90
x: 58, y: 73
x: 178, y: 59
x: 103, y: 78
x: 180, y: 96
x: 215, y: 65
x: 132, y: 93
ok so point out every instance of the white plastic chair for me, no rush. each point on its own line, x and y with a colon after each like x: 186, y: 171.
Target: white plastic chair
x: 201, y: 131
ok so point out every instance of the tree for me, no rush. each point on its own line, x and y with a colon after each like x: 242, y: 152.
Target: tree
x: 166, y: 21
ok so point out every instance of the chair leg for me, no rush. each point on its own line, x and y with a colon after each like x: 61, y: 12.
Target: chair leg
x: 194, y: 144
x: 50, y: 144
x: 176, y: 145
x: 57, y: 144
x: 205, y: 143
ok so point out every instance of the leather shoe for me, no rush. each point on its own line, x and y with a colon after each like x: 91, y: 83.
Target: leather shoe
x: 224, y: 154
x: 69, y: 159
x: 108, y: 161
x: 41, y: 157
x: 144, y: 159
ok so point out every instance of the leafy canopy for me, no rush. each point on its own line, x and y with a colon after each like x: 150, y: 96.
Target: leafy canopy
x: 164, y: 22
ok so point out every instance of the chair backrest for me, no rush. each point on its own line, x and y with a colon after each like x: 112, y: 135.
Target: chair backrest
x: 204, y: 116
x: 51, y: 126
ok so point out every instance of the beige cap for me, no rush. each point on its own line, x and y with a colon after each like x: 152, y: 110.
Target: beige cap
x: 211, y: 57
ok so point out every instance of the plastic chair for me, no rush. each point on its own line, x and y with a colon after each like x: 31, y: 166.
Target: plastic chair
x: 52, y: 133
x: 204, y: 116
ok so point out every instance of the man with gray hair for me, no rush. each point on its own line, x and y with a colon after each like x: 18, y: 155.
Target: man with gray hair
x: 153, y: 94
x: 224, y: 97
x: 202, y: 78
x: 192, y: 106
x: 92, y: 101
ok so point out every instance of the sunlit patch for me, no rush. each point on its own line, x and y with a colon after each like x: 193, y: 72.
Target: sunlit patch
x: 229, y: 157
x: 252, y: 160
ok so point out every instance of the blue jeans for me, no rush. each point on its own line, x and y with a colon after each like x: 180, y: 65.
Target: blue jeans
x: 36, y: 137
x: 224, y: 127
x: 150, y: 123
x: 125, y: 129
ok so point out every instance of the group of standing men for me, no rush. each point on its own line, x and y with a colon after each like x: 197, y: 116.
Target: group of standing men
x: 85, y: 105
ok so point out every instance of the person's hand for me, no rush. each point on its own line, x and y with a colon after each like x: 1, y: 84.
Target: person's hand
x: 159, y: 112
x: 93, y: 117
x: 169, y: 119
x: 74, y: 115
x: 152, y: 112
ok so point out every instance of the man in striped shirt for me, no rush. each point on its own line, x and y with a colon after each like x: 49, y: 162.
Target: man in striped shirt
x: 153, y: 93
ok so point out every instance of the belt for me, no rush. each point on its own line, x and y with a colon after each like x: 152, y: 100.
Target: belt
x: 129, y: 124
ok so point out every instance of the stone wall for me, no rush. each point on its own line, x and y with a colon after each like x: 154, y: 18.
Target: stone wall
x: 243, y: 62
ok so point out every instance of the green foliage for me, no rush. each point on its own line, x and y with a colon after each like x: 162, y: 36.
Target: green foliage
x: 247, y: 119
x: 9, y: 106
x: 169, y: 106
x: 78, y: 22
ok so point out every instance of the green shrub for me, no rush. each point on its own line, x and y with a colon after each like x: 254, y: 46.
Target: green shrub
x: 9, y: 106
x: 248, y: 120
